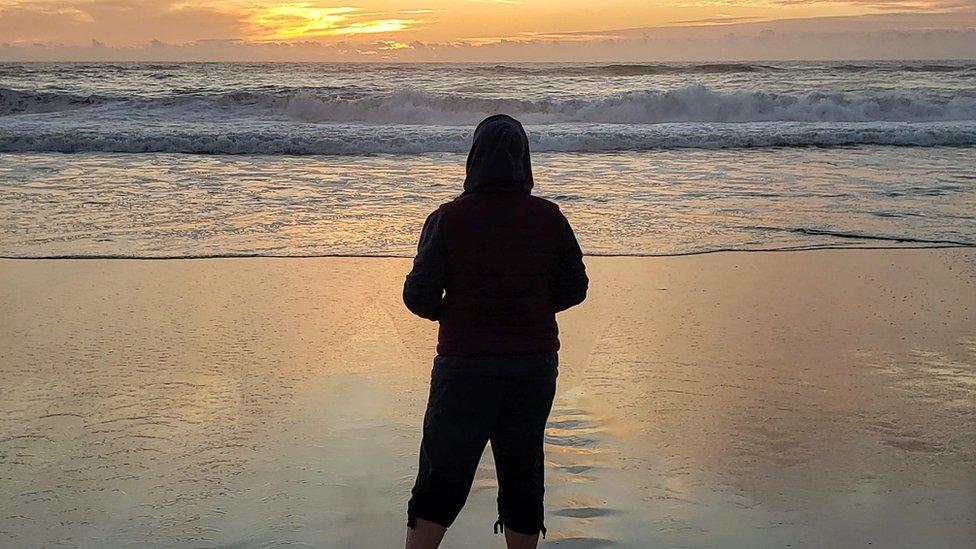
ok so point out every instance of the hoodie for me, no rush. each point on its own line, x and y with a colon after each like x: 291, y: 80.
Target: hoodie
x: 494, y: 265
x: 499, y: 157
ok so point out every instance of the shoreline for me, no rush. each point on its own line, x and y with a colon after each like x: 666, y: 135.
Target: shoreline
x: 72, y: 257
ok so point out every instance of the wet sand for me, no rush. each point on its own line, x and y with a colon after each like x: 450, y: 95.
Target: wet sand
x: 804, y: 399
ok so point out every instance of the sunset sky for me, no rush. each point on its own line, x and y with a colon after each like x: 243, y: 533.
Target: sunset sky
x: 482, y: 29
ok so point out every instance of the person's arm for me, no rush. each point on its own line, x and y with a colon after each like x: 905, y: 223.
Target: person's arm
x: 569, y: 282
x: 423, y: 290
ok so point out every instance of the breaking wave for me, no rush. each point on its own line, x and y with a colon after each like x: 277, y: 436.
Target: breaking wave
x: 688, y: 104
x: 350, y: 121
x: 27, y: 102
x: 408, y: 106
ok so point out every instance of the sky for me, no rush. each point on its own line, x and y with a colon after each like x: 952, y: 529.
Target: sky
x: 486, y: 30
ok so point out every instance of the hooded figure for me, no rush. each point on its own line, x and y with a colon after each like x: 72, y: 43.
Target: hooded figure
x: 499, y: 157
x: 493, y: 267
x: 496, y: 258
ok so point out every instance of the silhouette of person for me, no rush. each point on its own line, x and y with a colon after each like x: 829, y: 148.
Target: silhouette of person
x: 493, y: 267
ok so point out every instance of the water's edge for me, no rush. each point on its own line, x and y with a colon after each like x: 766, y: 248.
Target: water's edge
x: 404, y: 256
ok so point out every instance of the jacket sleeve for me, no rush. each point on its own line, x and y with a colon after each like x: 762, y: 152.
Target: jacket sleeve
x: 423, y: 290
x: 569, y: 283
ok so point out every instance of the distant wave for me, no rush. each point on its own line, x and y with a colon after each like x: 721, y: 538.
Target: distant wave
x: 909, y: 67
x: 307, y: 139
x: 408, y: 106
x: 654, y: 69
x: 625, y: 69
x: 28, y: 102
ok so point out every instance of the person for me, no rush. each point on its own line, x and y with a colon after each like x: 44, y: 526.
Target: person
x: 493, y: 267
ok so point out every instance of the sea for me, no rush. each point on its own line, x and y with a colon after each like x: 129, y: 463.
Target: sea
x: 163, y: 160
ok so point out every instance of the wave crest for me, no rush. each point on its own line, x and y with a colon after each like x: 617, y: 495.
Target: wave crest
x: 29, y: 102
x: 688, y: 104
x: 694, y: 103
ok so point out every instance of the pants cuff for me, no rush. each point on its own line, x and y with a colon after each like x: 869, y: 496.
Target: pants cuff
x: 500, y: 526
x: 412, y: 521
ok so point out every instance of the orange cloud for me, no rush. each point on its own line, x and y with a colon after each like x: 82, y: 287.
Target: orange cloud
x: 300, y: 20
x: 130, y: 23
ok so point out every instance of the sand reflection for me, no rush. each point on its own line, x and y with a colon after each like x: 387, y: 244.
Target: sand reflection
x: 734, y: 400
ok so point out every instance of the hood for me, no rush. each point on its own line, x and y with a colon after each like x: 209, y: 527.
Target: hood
x: 499, y: 157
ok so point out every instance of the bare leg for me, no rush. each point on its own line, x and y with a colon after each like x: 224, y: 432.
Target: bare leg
x: 514, y: 540
x: 426, y: 535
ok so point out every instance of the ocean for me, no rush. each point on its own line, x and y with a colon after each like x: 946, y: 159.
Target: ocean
x: 313, y: 159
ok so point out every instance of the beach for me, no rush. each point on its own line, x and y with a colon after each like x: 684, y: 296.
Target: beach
x: 819, y: 398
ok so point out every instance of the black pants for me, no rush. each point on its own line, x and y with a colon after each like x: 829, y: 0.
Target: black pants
x: 504, y: 399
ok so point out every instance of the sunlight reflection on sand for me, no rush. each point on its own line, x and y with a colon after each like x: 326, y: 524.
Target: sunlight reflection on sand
x: 733, y: 400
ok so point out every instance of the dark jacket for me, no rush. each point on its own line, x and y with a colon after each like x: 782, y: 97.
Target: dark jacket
x: 496, y: 264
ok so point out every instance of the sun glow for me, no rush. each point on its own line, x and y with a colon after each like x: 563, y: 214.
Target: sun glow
x: 458, y: 30
x: 306, y: 20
